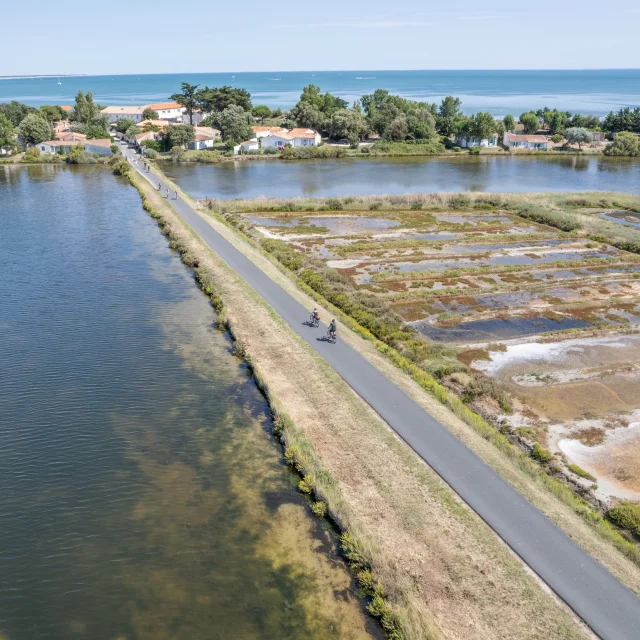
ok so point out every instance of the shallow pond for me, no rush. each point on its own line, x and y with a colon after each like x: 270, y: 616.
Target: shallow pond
x: 366, y: 176
x: 496, y: 329
x: 142, y: 494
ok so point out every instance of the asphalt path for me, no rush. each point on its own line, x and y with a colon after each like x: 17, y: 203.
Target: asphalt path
x: 609, y: 608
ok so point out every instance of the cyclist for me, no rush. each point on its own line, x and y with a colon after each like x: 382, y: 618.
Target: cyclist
x: 315, y: 317
x: 159, y: 186
x: 332, y: 329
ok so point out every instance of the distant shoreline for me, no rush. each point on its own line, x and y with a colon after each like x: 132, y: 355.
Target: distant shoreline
x: 62, y: 75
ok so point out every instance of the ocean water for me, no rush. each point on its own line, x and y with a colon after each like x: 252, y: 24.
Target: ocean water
x: 499, y: 92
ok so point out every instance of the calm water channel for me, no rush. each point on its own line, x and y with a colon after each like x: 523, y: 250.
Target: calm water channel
x: 353, y: 176
x: 141, y: 494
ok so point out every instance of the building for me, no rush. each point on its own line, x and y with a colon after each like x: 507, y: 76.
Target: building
x: 70, y: 136
x: 468, y: 142
x: 99, y: 146
x: 517, y: 141
x: 141, y: 137
x: 245, y: 147
x: 167, y: 110
x: 277, y: 137
x: 115, y: 113
x: 197, y: 117
x: 58, y: 146
x: 66, y: 108
x: 205, y: 138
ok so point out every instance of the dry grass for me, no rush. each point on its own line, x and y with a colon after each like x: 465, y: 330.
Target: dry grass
x: 446, y: 573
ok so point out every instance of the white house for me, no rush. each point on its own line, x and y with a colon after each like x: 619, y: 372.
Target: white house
x: 197, y: 116
x: 114, y: 113
x: 249, y: 145
x: 167, y: 110
x: 277, y: 137
x: 517, y: 141
x: 467, y: 142
x: 58, y: 146
x: 100, y: 146
x: 205, y: 138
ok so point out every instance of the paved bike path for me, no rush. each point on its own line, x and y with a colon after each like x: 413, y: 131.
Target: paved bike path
x: 599, y: 598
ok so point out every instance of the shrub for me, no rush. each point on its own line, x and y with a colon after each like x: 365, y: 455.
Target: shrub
x: 376, y: 206
x: 457, y: 149
x: 540, y: 454
x: 474, y: 151
x: 579, y: 471
x: 539, y: 214
x: 334, y: 204
x: 121, y: 168
x: 150, y: 153
x: 77, y: 155
x: 416, y: 206
x: 624, y: 144
x: 306, y: 485
x: 114, y: 149
x: 32, y: 154
x: 626, y: 516
x: 319, y: 508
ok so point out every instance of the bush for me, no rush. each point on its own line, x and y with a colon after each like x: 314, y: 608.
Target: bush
x: 540, y: 454
x: 624, y: 144
x: 557, y: 138
x: 579, y: 471
x: 545, y: 216
x: 334, y: 204
x: 32, y: 154
x: 77, y: 155
x: 114, y: 149
x: 319, y: 508
x: 626, y: 516
x: 474, y: 151
x: 151, y: 153
x: 457, y: 149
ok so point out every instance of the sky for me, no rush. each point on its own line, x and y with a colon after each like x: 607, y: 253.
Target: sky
x: 165, y: 36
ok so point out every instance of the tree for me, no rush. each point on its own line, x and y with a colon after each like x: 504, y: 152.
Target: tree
x: 132, y: 132
x: 7, y: 134
x: 530, y: 121
x: 150, y: 114
x: 509, y: 122
x: 578, y: 135
x: 81, y: 110
x: 217, y: 99
x: 347, y: 123
x: 16, y: 112
x: 261, y: 111
x: 51, y: 113
x: 122, y: 124
x: 624, y: 144
x: 449, y: 116
x: 625, y: 119
x: 420, y: 124
x: 179, y: 135
x: 481, y: 125
x: 314, y: 109
x: 188, y: 99
x: 235, y: 124
x: 96, y: 131
x: 556, y: 121
x: 92, y: 109
x: 34, y: 129
x: 397, y: 129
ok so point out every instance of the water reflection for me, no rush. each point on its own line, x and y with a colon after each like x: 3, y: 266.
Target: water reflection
x: 358, y: 176
x: 142, y: 496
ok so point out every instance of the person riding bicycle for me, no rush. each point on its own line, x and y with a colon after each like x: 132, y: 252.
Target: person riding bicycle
x: 333, y: 328
x: 315, y: 316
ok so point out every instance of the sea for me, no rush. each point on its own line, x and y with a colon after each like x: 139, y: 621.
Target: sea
x: 499, y: 92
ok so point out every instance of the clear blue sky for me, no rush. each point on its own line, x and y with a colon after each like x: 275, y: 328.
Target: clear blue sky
x: 287, y: 35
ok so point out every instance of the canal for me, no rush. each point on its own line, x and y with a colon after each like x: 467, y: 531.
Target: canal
x: 377, y: 176
x: 142, y: 495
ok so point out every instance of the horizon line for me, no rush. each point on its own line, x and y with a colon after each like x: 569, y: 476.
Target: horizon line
x: 26, y: 76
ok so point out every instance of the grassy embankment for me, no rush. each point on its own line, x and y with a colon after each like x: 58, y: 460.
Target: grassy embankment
x: 371, y: 317
x: 444, y: 572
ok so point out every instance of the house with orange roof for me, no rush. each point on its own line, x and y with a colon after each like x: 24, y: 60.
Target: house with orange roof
x: 278, y: 137
x: 516, y: 141
x: 66, y: 108
x: 167, y: 110
x: 204, y: 138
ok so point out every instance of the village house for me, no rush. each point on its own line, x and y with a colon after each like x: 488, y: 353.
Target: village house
x: 205, y: 138
x: 277, y: 137
x: 197, y: 117
x: 58, y: 146
x: 141, y: 137
x: 171, y: 111
x: 468, y: 142
x: 99, y: 146
x: 517, y: 141
x: 66, y: 108
x: 70, y: 136
x: 132, y: 113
